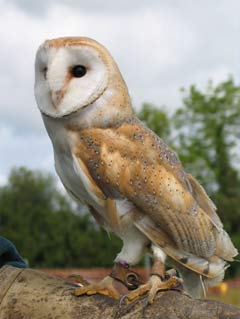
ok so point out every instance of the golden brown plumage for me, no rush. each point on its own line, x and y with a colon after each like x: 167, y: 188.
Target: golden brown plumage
x: 133, y: 183
x: 129, y: 161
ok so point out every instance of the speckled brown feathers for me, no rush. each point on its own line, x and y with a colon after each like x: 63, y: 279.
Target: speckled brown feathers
x: 131, y: 162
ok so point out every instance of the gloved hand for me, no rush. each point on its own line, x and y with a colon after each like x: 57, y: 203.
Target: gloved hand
x: 9, y: 254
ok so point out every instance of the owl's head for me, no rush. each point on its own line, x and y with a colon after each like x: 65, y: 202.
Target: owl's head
x: 72, y: 74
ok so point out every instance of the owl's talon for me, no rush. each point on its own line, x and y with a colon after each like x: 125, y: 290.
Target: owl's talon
x: 77, y: 279
x: 104, y: 287
x: 152, y: 287
x: 123, y: 299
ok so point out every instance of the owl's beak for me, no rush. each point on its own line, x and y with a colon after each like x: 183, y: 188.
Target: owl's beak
x: 57, y: 98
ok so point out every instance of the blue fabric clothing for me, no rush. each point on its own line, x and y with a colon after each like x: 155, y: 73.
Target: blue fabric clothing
x: 9, y: 254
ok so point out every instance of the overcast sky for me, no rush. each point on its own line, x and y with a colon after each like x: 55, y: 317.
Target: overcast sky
x: 160, y: 46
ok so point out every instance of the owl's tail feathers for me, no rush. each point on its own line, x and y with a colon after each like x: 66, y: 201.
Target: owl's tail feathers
x: 197, y: 272
x: 192, y: 282
x: 196, y: 285
x: 224, y: 246
x: 207, y: 267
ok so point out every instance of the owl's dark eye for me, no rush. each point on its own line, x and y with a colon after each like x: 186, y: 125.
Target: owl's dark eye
x: 78, y: 71
x: 45, y: 73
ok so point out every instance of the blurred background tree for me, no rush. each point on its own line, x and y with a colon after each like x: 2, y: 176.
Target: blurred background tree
x: 50, y: 232
x: 157, y: 119
x: 47, y: 230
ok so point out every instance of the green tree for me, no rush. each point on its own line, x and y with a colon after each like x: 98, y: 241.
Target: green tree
x: 156, y: 119
x: 208, y: 128
x: 47, y: 230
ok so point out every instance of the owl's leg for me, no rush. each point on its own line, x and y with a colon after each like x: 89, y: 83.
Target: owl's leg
x: 122, y: 278
x: 114, y: 285
x: 159, y: 280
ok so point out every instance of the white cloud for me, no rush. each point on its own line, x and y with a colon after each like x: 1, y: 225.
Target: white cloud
x: 159, y: 46
x: 93, y: 6
x: 3, y: 180
x: 33, y: 151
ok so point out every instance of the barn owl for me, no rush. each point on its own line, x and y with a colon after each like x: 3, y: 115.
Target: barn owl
x: 133, y: 184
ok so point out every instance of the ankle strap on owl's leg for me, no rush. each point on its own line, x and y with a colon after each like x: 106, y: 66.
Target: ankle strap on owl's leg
x: 126, y: 275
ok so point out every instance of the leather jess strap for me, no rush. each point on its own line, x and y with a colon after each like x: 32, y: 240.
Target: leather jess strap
x: 126, y: 276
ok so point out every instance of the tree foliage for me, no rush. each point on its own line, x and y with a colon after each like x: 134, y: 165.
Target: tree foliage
x: 208, y: 128
x: 47, y: 230
x: 157, y: 120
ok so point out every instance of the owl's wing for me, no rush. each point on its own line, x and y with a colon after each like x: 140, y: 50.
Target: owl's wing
x: 133, y: 163
x: 96, y: 194
x: 203, y: 200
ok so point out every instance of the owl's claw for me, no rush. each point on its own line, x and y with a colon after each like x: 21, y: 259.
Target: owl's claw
x: 152, y: 287
x: 122, y: 300
x: 77, y: 279
x: 104, y: 287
